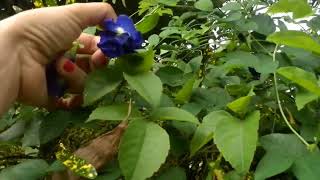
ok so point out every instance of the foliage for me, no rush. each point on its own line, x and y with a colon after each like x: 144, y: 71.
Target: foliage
x: 222, y: 89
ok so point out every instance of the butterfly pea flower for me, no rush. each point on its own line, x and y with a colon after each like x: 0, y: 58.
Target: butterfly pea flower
x: 119, y: 37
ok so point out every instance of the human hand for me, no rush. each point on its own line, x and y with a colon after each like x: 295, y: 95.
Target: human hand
x: 32, y: 39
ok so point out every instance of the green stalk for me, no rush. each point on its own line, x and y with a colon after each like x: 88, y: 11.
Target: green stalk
x: 279, y: 102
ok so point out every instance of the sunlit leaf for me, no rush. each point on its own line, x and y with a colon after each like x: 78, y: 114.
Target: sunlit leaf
x: 299, y: 8
x: 77, y: 165
x: 240, y: 105
x: 301, y: 77
x: 295, y: 39
x: 51, y: 2
x: 113, y: 113
x: 90, y: 30
x: 148, y: 23
x: 174, y: 114
x: 237, y: 139
x: 184, y: 94
x: 204, y: 5
x: 304, y: 97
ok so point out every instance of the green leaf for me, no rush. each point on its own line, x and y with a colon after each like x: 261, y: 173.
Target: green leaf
x: 111, y: 171
x: 168, y: 2
x: 261, y: 63
x: 237, y: 139
x: 231, y: 6
x: 135, y: 63
x: 173, y: 173
x: 113, y: 113
x: 148, y: 85
x: 143, y: 148
x: 240, y: 105
x: 7, y: 119
x: 56, y: 166
x: 31, y: 135
x: 148, y: 23
x: 193, y: 108
x: 51, y: 2
x: 204, y: 132
x: 90, y: 30
x: 211, y: 99
x: 304, y: 97
x: 314, y: 23
x: 195, y: 63
x: 99, y: 83
x: 299, y: 8
x: 265, y: 24
x: 204, y: 5
x: 233, y: 175
x: 38, y: 3
x: 169, y: 31
x: 171, y: 76
x: 301, y: 77
x: 282, y: 150
x: 295, y: 39
x: 53, y: 125
x: 233, y: 16
x: 175, y: 114
x: 28, y: 170
x: 153, y: 40
x: 15, y: 131
x: 77, y: 165
x: 184, y: 94
x: 307, y: 167
x: 202, y: 136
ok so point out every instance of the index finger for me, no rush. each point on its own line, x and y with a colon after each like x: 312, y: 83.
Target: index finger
x: 89, y: 43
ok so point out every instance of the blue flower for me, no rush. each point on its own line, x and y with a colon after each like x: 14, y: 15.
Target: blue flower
x: 119, y: 37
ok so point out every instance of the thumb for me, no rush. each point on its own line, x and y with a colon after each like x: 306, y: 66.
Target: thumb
x: 89, y: 14
x: 49, y: 31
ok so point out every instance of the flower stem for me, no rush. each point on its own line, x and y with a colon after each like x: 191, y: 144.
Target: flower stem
x: 279, y: 102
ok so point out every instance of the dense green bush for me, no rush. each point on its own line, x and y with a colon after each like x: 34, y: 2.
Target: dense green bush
x: 223, y: 90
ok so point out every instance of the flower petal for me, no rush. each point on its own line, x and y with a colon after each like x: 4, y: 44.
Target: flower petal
x: 119, y: 37
x: 110, y: 25
x: 126, y: 23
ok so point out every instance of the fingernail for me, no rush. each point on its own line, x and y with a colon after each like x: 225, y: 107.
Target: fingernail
x: 68, y: 66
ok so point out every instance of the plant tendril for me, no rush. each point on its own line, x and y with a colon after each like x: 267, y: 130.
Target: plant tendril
x: 279, y: 102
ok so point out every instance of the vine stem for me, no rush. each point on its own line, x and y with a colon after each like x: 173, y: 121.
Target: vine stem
x: 279, y: 102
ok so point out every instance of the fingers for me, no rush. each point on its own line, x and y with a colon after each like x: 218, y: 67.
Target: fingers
x: 89, y: 14
x: 98, y: 59
x: 83, y: 61
x: 72, y: 74
x: 89, y: 43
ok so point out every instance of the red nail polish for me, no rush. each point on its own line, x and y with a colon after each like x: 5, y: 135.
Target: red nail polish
x: 68, y: 66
